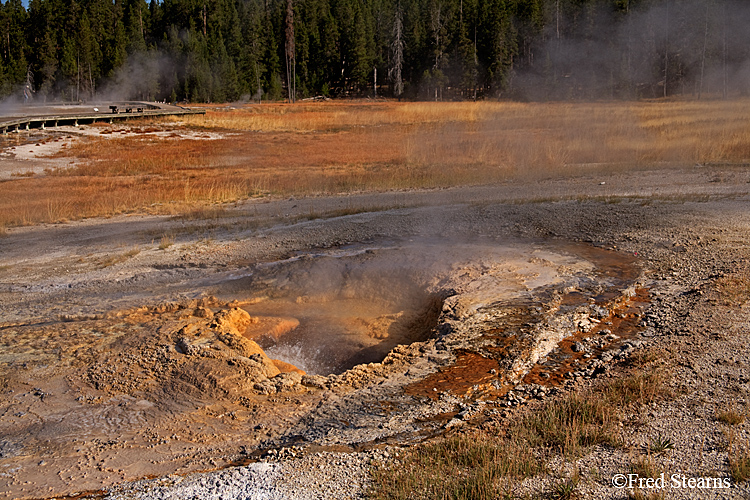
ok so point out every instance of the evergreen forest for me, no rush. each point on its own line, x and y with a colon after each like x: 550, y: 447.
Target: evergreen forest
x: 230, y: 50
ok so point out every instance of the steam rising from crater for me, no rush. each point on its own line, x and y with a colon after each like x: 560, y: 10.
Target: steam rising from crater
x: 354, y: 305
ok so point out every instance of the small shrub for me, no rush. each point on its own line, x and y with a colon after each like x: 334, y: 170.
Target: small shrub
x: 573, y: 423
x: 470, y: 467
x: 645, y: 466
x: 644, y: 357
x: 734, y: 290
x: 111, y: 260
x: 638, y: 388
x: 739, y: 463
x: 730, y: 417
x: 131, y: 253
x: 565, y: 489
x: 660, y: 444
x: 166, y: 241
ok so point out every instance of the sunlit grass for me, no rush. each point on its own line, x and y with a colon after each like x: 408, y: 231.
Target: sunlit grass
x: 340, y: 147
x: 462, y: 467
x: 734, y: 289
x: 113, y: 259
x: 485, y: 465
x: 166, y: 241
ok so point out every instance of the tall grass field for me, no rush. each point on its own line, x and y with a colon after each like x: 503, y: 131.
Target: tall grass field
x: 339, y: 147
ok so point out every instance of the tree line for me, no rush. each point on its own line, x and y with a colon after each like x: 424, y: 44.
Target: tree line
x: 227, y: 50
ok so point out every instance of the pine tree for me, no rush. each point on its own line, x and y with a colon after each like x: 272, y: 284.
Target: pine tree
x: 115, y: 45
x: 89, y: 57
x: 397, y: 52
x: 198, y: 77
x: 250, y: 58
x: 136, y: 23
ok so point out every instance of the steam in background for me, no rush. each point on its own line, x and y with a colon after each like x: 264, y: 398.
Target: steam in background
x: 11, y: 104
x: 142, y: 77
x: 658, y: 49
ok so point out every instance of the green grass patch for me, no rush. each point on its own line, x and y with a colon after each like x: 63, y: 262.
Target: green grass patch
x: 565, y: 489
x: 571, y: 424
x: 661, y: 444
x: 485, y: 466
x: 639, y: 388
x: 461, y: 467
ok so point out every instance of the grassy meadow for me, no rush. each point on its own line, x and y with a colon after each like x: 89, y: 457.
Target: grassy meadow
x: 310, y: 149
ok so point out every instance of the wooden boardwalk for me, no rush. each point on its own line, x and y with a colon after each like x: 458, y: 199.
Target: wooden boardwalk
x: 25, y: 117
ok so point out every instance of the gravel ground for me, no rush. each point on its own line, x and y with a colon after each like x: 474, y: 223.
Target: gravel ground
x: 686, y: 229
x: 313, y: 476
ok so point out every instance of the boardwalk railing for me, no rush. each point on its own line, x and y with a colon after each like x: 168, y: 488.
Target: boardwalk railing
x: 116, y: 111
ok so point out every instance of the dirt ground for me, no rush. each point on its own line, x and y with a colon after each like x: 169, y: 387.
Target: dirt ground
x: 142, y: 346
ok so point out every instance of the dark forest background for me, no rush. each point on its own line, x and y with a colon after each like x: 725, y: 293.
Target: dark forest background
x: 227, y: 50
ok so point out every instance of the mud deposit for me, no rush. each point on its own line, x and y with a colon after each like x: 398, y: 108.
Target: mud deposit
x: 346, y: 347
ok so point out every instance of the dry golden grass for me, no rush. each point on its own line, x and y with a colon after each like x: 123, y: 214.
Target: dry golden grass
x: 334, y: 147
x: 487, y: 465
x: 739, y: 464
x: 166, y: 241
x: 639, y: 494
x: 734, y: 289
x: 572, y: 424
x: 113, y: 259
x: 461, y: 467
x: 732, y: 416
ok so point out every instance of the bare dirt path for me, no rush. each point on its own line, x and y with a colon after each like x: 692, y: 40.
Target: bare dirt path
x: 106, y: 326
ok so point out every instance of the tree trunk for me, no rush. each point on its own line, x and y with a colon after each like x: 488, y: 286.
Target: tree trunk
x: 291, y: 76
x: 397, y: 50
